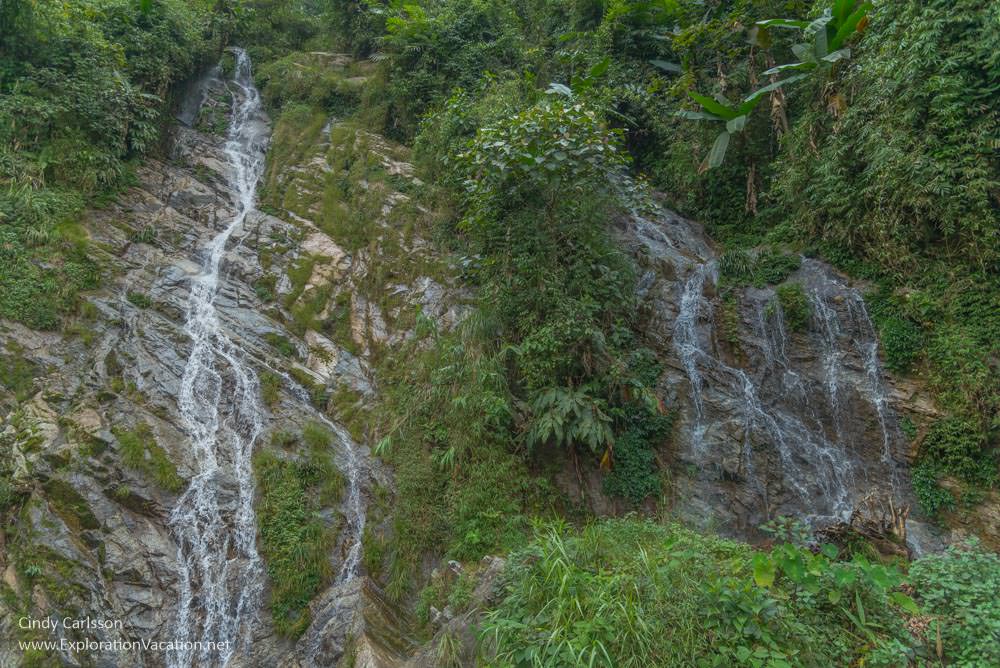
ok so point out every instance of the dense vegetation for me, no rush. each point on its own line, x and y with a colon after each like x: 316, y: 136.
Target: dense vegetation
x: 867, y: 139
x: 539, y: 122
x: 83, y: 87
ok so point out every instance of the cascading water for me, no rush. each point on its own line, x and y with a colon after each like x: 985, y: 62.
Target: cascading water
x: 771, y: 406
x: 221, y: 575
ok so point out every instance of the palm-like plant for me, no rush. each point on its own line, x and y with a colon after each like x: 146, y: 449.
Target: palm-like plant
x: 826, y: 36
x: 735, y: 117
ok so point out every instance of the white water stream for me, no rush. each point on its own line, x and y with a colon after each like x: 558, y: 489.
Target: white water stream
x: 221, y: 576
x: 819, y: 466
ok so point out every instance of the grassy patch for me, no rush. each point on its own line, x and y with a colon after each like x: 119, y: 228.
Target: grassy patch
x: 794, y: 306
x: 634, y: 594
x: 295, y: 539
x: 142, y: 453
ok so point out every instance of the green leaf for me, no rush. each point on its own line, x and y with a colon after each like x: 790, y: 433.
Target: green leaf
x: 763, y: 570
x: 833, y: 595
x: 829, y: 551
x: 789, y: 67
x: 848, y: 26
x: 599, y: 68
x: 751, y: 100
x: 698, y: 115
x: 905, y: 602
x: 714, y: 106
x: 737, y: 124
x: 667, y: 66
x: 783, y: 23
x: 839, y: 54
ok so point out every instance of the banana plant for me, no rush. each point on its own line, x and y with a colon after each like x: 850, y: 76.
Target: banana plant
x: 735, y: 117
x: 826, y: 36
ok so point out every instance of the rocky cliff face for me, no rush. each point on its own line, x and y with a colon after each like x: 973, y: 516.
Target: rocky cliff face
x: 772, y: 418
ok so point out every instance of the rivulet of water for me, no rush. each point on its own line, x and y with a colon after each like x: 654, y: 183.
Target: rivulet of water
x: 221, y: 573
x: 819, y: 467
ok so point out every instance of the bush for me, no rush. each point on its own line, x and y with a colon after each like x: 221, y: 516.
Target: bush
x: 961, y: 588
x: 634, y: 593
x: 794, y: 305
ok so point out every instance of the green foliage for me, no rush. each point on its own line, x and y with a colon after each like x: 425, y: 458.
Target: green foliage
x: 295, y: 539
x: 569, y: 417
x: 460, y: 489
x: 826, y: 36
x: 436, y: 47
x: 17, y: 375
x: 957, y: 445
x: 316, y: 79
x: 921, y: 151
x: 141, y: 452
x: 83, y: 86
x: 634, y: 474
x: 762, y: 267
x: 930, y: 495
x: 961, y: 589
x: 604, y: 595
x: 794, y: 306
x: 282, y: 344
x: 139, y: 299
x: 901, y: 339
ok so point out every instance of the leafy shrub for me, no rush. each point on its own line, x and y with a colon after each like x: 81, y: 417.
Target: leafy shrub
x: 901, y: 339
x: 930, y: 495
x: 958, y: 446
x: 961, y: 588
x: 634, y: 593
x: 794, y: 306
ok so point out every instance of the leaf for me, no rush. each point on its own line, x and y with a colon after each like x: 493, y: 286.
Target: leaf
x: 763, y: 570
x: 829, y: 551
x: 145, y: 6
x: 559, y: 89
x: 698, y: 116
x: 667, y: 66
x: 905, y: 602
x: 790, y: 66
x: 713, y: 106
x: 751, y: 100
x: 840, y: 54
x: 599, y: 68
x: 833, y: 595
x: 850, y: 25
x: 783, y: 23
x: 737, y: 124
x: 804, y: 52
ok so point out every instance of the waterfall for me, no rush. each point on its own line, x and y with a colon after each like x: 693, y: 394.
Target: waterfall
x: 221, y: 574
x: 771, y: 409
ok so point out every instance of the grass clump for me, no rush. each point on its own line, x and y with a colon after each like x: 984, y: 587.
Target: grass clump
x: 139, y: 299
x: 295, y: 539
x: 794, y: 306
x: 633, y: 594
x: 142, y: 453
